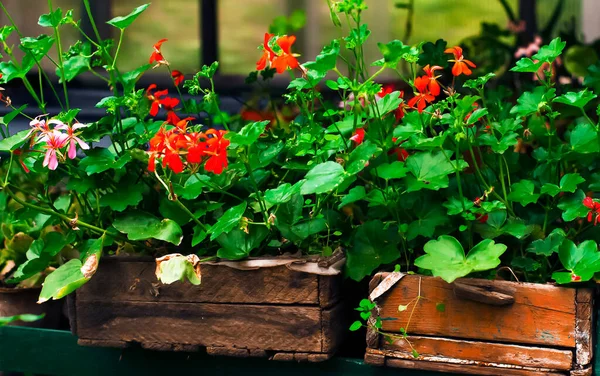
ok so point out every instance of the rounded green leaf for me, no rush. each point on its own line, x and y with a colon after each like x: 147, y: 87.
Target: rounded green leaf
x: 139, y: 225
x: 123, y: 22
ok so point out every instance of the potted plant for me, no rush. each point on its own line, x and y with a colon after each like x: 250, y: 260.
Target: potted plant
x: 177, y: 198
x: 468, y: 180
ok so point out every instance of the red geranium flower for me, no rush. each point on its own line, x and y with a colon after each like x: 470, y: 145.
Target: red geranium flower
x: 216, y: 148
x: 594, y: 214
x: 358, y: 136
x: 177, y: 77
x: 423, y: 96
x: 157, y: 56
x: 158, y: 101
x: 385, y: 90
x: 286, y: 59
x: 461, y: 65
x: 434, y: 86
x: 268, y: 53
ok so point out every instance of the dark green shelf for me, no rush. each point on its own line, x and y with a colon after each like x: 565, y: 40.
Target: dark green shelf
x: 55, y: 352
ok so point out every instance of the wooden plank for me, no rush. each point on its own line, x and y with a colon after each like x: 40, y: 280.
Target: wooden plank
x: 277, y: 328
x: 588, y: 371
x: 481, y: 352
x: 334, y: 327
x: 583, y: 327
x: 466, y: 369
x: 541, y: 314
x: 330, y: 290
x: 119, y: 279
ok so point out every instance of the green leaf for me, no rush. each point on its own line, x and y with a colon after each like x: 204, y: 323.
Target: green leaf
x: 527, y: 65
x: 546, y: 247
x: 373, y: 245
x: 25, y: 317
x: 51, y: 19
x: 393, y: 52
x: 426, y: 223
x: 63, y: 281
x: 386, y: 105
x: 433, y: 54
x: 431, y: 170
x: 525, y: 263
x: 228, y: 221
x: 323, y: 178
x: 355, y: 326
x: 531, y: 101
x: 355, y: 194
x: 568, y: 183
x: 282, y: 194
x: 476, y: 115
x: 584, y: 139
x: 389, y: 171
x: 583, y: 261
x: 73, y: 67
x: 130, y: 78
x: 324, y: 62
x: 173, y: 268
x: 6, y: 119
x: 193, y: 186
x: 249, y: 134
x: 359, y: 157
x: 357, y: 36
x: 37, y: 47
x: 297, y: 232
x: 456, y: 206
x: 140, y: 225
x: 199, y: 235
x: 572, y: 206
x: 236, y: 244
x: 522, y: 192
x: 549, y: 53
x: 15, y: 141
x: 123, y: 197
x: 576, y: 99
x: 445, y: 257
x: 479, y: 82
x: 122, y: 22
x: 97, y: 160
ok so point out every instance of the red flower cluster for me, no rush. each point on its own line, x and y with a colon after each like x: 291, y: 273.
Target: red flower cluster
x: 594, y: 214
x: 197, y: 147
x: 177, y: 77
x: 279, y: 61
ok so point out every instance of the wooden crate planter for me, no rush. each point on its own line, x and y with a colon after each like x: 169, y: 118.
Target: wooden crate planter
x: 534, y: 329
x: 269, y: 312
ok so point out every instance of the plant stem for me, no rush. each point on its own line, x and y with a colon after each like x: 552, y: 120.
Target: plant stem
x: 118, y: 49
x: 188, y: 212
x: 61, y: 66
x: 55, y: 213
x: 263, y: 206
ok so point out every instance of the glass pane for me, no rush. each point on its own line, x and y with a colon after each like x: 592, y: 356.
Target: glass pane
x: 176, y: 20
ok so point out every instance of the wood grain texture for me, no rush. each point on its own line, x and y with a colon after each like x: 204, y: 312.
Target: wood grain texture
x: 584, y: 327
x: 119, y: 279
x: 480, y: 353
x: 330, y: 289
x: 466, y: 369
x: 334, y: 327
x: 271, y: 328
x: 541, y: 314
x: 588, y: 371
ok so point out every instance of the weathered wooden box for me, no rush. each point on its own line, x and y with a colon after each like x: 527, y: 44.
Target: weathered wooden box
x: 269, y: 312
x: 482, y: 328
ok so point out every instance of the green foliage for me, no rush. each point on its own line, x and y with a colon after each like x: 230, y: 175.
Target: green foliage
x: 122, y: 22
x: 445, y: 257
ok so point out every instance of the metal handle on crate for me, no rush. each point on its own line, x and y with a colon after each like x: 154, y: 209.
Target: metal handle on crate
x: 486, y: 292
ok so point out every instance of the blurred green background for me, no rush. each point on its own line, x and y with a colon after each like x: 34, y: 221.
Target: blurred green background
x: 242, y: 23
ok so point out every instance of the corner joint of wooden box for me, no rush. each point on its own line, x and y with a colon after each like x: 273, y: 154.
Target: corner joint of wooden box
x: 372, y: 357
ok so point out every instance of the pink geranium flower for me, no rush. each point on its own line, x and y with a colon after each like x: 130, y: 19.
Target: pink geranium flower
x: 38, y: 126
x: 54, y: 140
x: 72, y: 137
